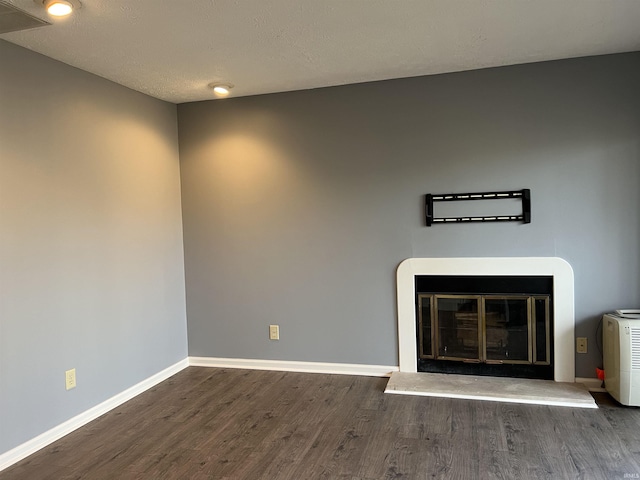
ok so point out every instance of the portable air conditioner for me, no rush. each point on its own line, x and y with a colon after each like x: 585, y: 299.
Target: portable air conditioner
x: 621, y: 352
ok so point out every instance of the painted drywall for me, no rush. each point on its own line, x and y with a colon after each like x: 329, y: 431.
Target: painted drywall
x: 298, y: 207
x: 92, y: 270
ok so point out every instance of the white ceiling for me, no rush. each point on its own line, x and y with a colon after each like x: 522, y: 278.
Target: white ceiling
x: 173, y: 49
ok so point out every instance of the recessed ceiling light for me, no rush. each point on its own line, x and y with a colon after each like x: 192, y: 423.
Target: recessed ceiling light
x: 221, y: 89
x: 60, y: 8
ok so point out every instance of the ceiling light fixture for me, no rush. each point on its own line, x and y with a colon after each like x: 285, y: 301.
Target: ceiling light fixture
x: 60, y: 8
x: 221, y: 89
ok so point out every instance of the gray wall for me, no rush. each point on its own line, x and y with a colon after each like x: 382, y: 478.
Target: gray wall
x: 298, y: 207
x: 91, y: 263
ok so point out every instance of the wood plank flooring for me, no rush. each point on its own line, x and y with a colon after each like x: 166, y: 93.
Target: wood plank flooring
x: 206, y: 423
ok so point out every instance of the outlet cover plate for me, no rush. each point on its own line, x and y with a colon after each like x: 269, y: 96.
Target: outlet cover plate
x: 581, y: 344
x: 274, y: 332
x: 70, y: 378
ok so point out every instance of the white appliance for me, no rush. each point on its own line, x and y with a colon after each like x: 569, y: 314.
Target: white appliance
x: 621, y: 352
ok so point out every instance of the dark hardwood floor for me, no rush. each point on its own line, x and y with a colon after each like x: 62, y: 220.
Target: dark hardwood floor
x: 206, y: 423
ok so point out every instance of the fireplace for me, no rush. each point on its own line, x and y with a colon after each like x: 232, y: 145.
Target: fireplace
x: 485, y: 325
x: 487, y: 316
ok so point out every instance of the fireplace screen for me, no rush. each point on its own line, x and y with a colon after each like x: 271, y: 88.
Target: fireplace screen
x: 491, y: 329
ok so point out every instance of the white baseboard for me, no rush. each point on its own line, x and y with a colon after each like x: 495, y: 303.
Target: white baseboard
x: 24, y: 450
x: 593, y: 384
x: 292, y: 366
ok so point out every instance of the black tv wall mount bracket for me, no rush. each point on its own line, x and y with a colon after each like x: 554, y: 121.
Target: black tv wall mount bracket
x: 524, y: 194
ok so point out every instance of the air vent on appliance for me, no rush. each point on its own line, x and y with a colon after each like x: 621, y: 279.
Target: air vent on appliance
x: 635, y: 348
x: 13, y: 19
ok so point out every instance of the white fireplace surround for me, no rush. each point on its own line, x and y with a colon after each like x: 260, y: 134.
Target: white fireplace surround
x: 563, y: 306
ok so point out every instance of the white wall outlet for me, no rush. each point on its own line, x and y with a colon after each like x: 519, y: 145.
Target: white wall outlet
x: 274, y: 332
x: 581, y: 344
x: 70, y: 378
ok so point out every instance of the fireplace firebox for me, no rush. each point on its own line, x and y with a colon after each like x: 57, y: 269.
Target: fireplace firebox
x: 499, y: 326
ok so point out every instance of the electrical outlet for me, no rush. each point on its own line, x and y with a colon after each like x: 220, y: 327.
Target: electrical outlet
x: 274, y: 332
x: 581, y: 344
x: 70, y: 378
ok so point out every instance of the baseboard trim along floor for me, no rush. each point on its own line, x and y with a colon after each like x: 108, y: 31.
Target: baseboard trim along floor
x: 496, y: 389
x: 592, y: 384
x: 294, y: 366
x: 31, y: 446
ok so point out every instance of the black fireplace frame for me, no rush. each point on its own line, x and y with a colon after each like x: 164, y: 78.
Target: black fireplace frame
x: 485, y: 285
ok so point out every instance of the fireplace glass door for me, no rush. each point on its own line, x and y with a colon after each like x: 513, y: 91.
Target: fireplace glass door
x: 507, y: 330
x: 490, y: 329
x: 458, y: 335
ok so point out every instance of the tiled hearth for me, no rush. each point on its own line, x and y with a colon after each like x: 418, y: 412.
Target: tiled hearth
x: 497, y: 389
